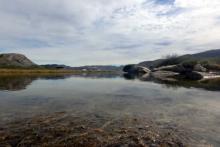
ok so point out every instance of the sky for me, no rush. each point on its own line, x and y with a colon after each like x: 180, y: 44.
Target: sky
x: 107, y: 32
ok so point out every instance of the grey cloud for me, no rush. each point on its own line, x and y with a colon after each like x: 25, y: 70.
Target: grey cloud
x: 105, y: 32
x: 164, y: 43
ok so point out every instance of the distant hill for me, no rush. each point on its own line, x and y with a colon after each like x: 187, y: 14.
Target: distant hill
x: 56, y: 66
x: 99, y: 68
x: 208, y: 54
x: 15, y: 60
x: 85, y: 68
x: 208, y: 57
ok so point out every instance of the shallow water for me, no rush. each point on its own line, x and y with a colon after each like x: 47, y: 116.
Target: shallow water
x: 194, y: 109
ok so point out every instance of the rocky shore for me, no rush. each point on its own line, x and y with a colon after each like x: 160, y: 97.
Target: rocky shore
x: 173, y: 72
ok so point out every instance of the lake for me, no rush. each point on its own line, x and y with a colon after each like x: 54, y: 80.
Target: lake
x: 109, y: 101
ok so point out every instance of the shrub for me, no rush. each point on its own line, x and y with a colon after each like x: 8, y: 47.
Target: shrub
x: 170, y: 60
x: 189, y: 64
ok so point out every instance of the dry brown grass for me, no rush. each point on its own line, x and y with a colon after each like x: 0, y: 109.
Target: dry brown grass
x: 44, y: 71
x: 21, y: 71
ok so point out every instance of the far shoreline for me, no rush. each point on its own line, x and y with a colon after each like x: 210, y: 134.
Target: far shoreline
x: 8, y: 71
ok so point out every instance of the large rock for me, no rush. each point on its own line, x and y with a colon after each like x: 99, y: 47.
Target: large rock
x: 131, y: 68
x: 172, y: 68
x: 135, y: 69
x: 15, y: 60
x: 164, y: 75
x: 178, y: 71
x: 199, y: 68
x: 192, y: 75
x: 166, y: 68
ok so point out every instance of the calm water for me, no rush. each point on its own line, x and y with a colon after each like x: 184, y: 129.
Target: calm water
x: 195, y: 109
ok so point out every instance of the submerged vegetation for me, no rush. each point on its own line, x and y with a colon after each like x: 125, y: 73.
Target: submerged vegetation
x: 61, y: 129
x: 85, y: 128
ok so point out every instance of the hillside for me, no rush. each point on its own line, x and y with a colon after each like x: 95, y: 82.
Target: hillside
x: 55, y: 66
x: 208, y: 54
x: 15, y: 60
x: 85, y: 68
x: 99, y: 68
x: 207, y: 57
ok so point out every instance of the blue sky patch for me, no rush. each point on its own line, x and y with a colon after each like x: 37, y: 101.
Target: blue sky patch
x: 165, y: 2
x: 172, y: 12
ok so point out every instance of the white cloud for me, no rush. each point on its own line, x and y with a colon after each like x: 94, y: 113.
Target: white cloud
x: 107, y: 32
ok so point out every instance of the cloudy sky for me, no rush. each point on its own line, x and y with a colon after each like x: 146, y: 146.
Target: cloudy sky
x: 87, y: 32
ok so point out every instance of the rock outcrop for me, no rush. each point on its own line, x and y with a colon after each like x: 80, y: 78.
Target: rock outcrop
x: 164, y: 75
x: 199, y: 68
x: 15, y: 60
x: 211, y: 57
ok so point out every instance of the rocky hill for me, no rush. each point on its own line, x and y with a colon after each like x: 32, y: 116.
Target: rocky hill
x: 15, y: 60
x: 190, y: 67
x: 212, y: 57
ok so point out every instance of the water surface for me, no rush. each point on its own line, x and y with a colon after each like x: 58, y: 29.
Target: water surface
x: 194, y: 109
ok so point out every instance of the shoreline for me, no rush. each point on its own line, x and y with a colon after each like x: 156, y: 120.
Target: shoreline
x: 47, y: 71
